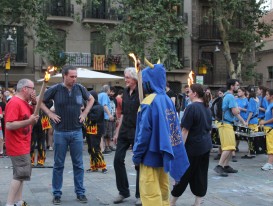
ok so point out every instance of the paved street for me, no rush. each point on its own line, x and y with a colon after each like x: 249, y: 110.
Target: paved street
x: 249, y: 187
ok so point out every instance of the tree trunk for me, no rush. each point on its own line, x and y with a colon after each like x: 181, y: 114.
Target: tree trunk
x: 239, y: 61
x: 230, y: 64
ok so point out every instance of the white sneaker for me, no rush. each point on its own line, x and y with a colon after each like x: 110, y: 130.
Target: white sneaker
x: 267, y: 166
x: 50, y: 149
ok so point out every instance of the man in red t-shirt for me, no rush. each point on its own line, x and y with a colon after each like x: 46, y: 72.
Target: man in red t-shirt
x: 19, y: 120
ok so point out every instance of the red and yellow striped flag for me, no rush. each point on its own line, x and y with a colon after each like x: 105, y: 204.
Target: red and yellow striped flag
x: 98, y: 63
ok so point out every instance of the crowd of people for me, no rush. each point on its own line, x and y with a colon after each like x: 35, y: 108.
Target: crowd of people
x: 169, y: 134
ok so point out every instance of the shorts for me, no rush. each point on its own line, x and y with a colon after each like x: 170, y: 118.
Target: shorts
x: 109, y: 129
x: 269, y: 139
x: 227, y: 136
x: 21, y: 167
x: 1, y: 134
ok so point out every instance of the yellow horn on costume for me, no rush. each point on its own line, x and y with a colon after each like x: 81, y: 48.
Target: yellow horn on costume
x: 148, y: 63
x: 158, y: 61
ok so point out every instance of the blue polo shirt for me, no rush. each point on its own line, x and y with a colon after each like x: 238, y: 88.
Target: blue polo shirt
x: 229, y: 102
x: 67, y: 105
x: 263, y: 103
x: 253, y: 107
x: 243, y: 103
x: 269, y: 115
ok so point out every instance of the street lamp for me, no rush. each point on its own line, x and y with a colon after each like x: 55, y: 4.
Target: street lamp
x: 9, y: 33
x: 216, y: 44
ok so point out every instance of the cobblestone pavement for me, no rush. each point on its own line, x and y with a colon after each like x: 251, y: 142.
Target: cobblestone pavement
x: 249, y: 187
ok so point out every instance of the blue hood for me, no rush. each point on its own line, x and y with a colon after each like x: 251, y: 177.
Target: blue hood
x: 154, y: 80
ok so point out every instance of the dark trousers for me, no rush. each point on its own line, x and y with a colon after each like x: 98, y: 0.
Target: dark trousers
x: 38, y: 137
x: 120, y: 170
x: 196, y: 176
x: 96, y: 157
x: 93, y: 142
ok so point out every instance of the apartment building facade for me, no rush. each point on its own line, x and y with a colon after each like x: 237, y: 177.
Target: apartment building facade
x: 81, y: 42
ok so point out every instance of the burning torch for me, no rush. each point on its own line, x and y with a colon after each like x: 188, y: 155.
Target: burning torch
x: 190, y: 78
x: 139, y: 76
x: 42, y: 91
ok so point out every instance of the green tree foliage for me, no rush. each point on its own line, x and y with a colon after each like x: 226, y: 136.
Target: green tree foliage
x: 49, y: 43
x: 240, y: 21
x: 31, y: 16
x: 148, y: 28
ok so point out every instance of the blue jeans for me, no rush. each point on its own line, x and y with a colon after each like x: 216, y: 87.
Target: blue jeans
x: 62, y: 140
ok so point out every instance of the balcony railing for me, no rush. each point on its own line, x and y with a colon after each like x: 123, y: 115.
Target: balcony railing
x: 59, y: 8
x: 101, y: 13
x: 78, y: 59
x: 208, y: 32
x: 211, y: 32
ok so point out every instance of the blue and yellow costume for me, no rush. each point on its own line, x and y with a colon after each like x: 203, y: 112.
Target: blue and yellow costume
x: 268, y: 129
x: 158, y: 147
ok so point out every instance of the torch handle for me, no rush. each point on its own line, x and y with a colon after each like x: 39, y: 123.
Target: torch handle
x: 41, y: 96
x: 140, y: 88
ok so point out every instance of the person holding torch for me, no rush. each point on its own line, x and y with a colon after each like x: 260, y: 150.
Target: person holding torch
x: 19, y: 120
x: 125, y: 134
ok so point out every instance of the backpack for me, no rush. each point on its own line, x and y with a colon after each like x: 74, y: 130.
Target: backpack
x: 216, y: 108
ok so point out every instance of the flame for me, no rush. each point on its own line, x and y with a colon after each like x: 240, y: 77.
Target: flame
x: 190, y: 78
x: 135, y: 61
x: 47, y: 73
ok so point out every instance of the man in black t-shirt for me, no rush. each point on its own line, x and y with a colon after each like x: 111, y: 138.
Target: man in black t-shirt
x: 125, y: 135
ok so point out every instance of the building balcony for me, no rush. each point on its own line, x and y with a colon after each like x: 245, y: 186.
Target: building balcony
x: 101, y: 15
x: 211, y: 33
x: 78, y: 59
x: 208, y: 32
x: 59, y: 11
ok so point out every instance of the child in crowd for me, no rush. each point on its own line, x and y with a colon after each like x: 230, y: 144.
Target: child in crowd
x: 94, y: 130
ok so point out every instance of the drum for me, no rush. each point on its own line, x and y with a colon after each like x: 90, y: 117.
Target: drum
x: 257, y: 143
x: 256, y: 140
x: 241, y: 129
